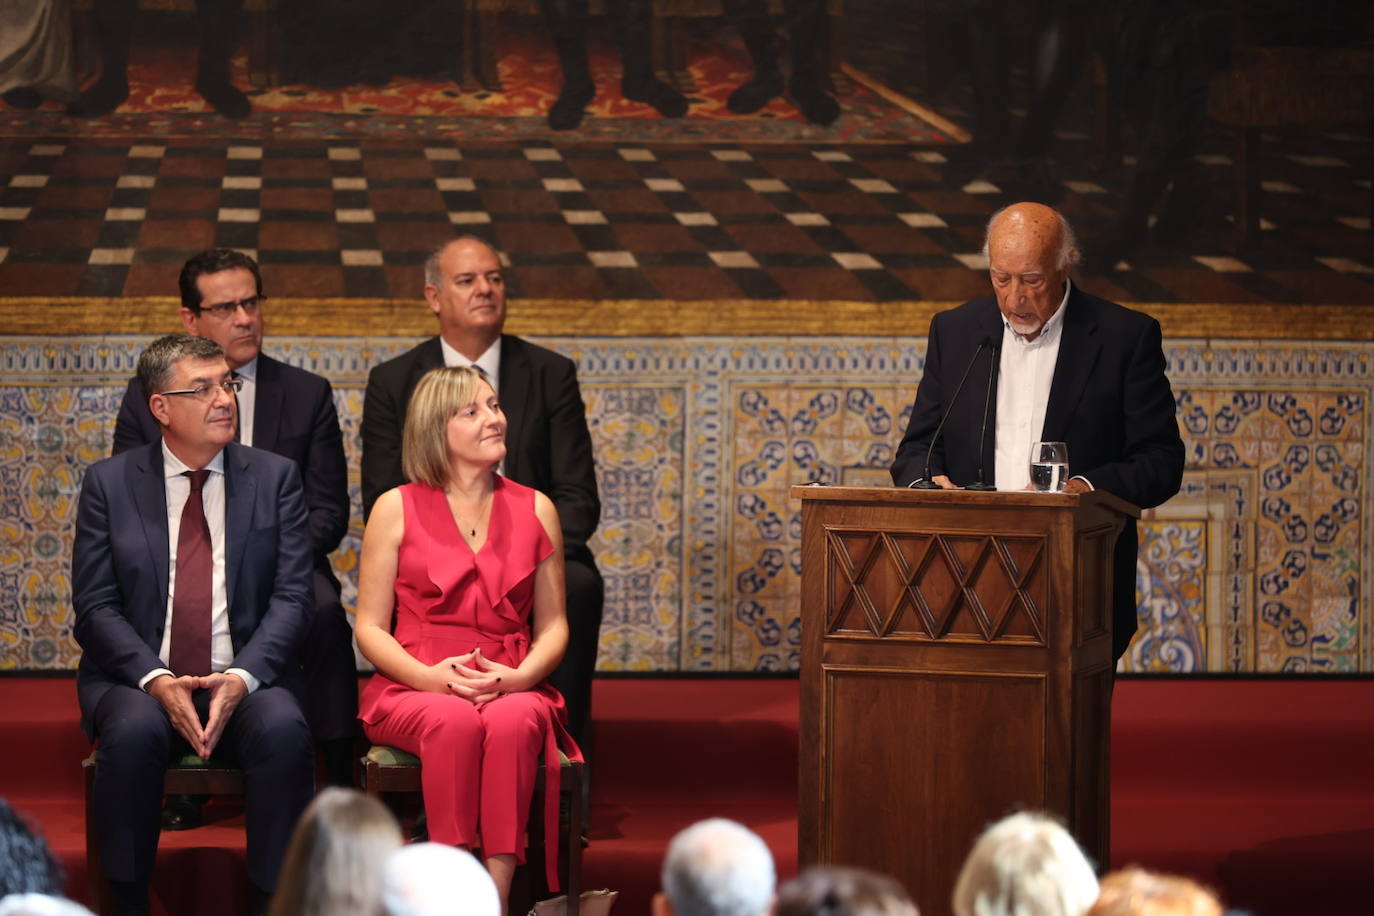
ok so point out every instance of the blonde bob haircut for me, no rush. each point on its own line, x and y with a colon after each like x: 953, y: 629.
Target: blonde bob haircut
x: 424, y: 442
x: 1025, y: 865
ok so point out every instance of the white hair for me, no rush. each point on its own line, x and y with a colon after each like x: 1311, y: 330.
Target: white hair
x: 717, y: 867
x: 1025, y: 865
x: 431, y: 879
x: 1068, y: 254
x: 40, y: 905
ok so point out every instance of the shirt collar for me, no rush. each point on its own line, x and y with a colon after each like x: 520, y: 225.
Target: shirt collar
x: 1051, y: 327
x: 248, y: 370
x: 173, y: 466
x: 489, y: 362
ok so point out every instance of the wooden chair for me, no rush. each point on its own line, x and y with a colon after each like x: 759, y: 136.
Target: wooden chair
x: 189, y: 775
x: 391, y: 771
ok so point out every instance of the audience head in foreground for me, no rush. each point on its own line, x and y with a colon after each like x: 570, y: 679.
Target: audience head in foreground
x: 27, y: 865
x: 334, y: 863
x: 716, y: 867
x: 1025, y: 865
x: 833, y: 891
x: 40, y: 905
x: 431, y: 879
x: 1136, y: 892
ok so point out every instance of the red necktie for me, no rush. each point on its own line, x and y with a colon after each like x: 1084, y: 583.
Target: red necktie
x: 191, y: 597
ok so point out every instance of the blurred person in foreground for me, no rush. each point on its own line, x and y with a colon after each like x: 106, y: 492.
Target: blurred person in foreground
x: 716, y: 867
x: 333, y: 866
x: 430, y: 879
x: 471, y: 565
x: 1137, y: 892
x: 828, y: 890
x: 1025, y: 865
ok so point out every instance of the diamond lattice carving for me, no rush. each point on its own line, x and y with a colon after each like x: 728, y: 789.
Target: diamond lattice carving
x: 930, y: 586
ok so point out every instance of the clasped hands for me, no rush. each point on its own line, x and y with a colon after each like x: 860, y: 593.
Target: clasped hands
x: 475, y: 678
x: 174, y: 693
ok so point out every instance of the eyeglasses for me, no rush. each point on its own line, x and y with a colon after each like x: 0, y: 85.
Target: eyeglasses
x: 226, y: 309
x: 208, y: 392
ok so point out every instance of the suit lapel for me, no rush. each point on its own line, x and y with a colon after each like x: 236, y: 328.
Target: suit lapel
x: 515, y: 390
x: 240, y: 487
x: 1079, y: 349
x: 267, y: 404
x: 150, y: 499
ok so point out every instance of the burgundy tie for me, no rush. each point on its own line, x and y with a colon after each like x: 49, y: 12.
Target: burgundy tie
x: 191, y: 597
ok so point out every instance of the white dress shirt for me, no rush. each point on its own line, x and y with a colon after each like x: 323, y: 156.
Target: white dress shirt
x: 212, y: 499
x: 1023, y: 392
x: 247, y: 399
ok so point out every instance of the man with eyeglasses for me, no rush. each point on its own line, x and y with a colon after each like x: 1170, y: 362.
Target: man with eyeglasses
x: 191, y: 583
x: 291, y: 412
x: 1060, y: 365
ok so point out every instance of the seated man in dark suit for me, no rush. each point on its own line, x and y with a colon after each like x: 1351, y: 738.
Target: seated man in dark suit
x: 548, y: 445
x: 1063, y: 366
x: 291, y: 412
x: 191, y: 585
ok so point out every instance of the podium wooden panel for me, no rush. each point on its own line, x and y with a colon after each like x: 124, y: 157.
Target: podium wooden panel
x: 956, y: 666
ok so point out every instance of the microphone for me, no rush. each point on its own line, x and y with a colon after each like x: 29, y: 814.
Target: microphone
x: 980, y: 483
x: 924, y: 482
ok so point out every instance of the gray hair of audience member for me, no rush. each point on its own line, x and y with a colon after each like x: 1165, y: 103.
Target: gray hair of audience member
x: 431, y: 879
x: 1137, y: 892
x: 717, y: 867
x: 433, y: 277
x: 333, y: 866
x: 27, y: 865
x: 40, y: 905
x: 1068, y: 255
x: 1025, y: 865
x: 157, y: 359
x: 829, y: 890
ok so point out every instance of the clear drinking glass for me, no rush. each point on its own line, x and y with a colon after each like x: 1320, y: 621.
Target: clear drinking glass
x: 1049, y: 466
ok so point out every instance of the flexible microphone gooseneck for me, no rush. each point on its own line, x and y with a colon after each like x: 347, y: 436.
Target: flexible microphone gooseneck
x: 996, y: 365
x: 924, y: 482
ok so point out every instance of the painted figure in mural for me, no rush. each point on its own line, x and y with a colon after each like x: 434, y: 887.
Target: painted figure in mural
x: 807, y: 39
x: 191, y: 587
x: 1061, y: 365
x: 291, y: 412
x: 460, y: 608
x: 548, y: 445
x: 567, y: 21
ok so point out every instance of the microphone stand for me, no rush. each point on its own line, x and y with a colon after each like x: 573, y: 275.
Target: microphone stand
x: 924, y: 482
x: 980, y: 483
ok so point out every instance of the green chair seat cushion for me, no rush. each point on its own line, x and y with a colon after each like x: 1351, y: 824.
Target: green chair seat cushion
x: 383, y: 755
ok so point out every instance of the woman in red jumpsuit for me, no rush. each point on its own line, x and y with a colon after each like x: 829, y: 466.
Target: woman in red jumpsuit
x: 472, y: 564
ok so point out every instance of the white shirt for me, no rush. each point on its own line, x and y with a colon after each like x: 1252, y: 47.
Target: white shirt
x: 1023, y: 392
x: 490, y: 364
x: 247, y: 398
x: 178, y: 488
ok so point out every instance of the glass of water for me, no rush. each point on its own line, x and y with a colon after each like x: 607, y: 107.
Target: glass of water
x: 1049, y: 466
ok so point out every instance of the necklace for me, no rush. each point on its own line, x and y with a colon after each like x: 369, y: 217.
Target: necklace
x: 466, y: 528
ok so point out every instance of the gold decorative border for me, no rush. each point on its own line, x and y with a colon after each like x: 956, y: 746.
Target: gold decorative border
x: 62, y: 316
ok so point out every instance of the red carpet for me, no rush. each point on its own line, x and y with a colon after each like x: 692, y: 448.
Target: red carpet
x: 1261, y: 788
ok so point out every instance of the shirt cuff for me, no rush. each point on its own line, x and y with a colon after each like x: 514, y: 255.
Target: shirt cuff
x: 1085, y: 480
x: 252, y: 682
x: 147, y: 679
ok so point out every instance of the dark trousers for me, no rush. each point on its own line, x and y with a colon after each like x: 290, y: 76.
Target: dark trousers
x: 573, y: 676
x: 219, y: 31
x: 266, y: 736
x: 329, y: 691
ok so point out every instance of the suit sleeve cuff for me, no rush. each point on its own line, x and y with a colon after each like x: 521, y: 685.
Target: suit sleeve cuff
x: 1085, y: 480
x: 252, y: 682
x: 147, y: 679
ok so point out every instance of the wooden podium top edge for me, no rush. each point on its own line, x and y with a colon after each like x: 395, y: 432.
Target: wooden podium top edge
x: 1024, y: 498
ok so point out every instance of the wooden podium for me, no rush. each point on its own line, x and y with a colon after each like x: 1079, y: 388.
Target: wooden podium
x: 956, y: 666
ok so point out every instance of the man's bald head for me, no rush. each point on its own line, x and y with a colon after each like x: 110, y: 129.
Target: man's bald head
x: 1029, y: 248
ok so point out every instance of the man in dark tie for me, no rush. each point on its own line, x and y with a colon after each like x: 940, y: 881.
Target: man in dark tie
x: 191, y: 586
x: 548, y: 445
x: 1062, y: 365
x: 291, y: 412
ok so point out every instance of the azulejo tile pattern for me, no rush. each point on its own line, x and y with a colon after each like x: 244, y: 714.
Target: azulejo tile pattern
x: 1258, y: 565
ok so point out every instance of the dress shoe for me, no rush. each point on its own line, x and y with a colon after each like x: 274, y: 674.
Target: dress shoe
x: 24, y: 98
x: 226, y: 98
x: 755, y: 94
x: 666, y: 100
x: 101, y: 99
x: 181, y: 812
x: 815, y: 103
x: 567, y: 111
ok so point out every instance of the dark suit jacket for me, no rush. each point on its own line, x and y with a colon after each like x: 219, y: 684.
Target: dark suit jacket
x: 548, y: 446
x: 120, y: 561
x: 293, y: 416
x: 1110, y: 401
